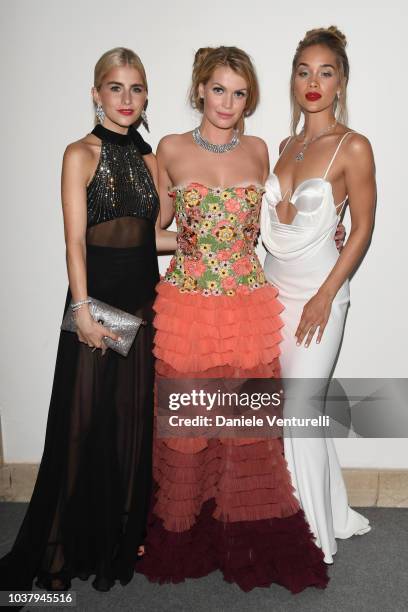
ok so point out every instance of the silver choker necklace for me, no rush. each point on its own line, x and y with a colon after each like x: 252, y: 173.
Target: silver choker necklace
x: 215, y: 148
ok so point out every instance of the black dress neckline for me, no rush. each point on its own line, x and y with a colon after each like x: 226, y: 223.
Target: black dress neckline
x: 110, y: 136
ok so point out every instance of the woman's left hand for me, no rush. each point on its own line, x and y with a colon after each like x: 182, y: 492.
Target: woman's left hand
x: 315, y: 315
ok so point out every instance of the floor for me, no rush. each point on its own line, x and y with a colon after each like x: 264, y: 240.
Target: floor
x: 370, y: 574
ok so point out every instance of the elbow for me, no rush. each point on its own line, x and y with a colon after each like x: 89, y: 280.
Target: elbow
x: 362, y: 232
x: 73, y: 247
x: 363, y: 226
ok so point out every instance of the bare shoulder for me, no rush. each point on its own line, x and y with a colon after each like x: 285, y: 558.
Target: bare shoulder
x: 258, y: 150
x: 357, y: 144
x: 80, y: 158
x: 256, y: 143
x: 173, y: 141
x: 357, y: 150
x: 82, y: 150
x: 284, y: 143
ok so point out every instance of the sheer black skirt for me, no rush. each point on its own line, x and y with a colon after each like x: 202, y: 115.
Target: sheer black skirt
x: 88, y: 511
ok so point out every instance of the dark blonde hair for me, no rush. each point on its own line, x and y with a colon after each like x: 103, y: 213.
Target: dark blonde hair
x: 119, y: 56
x: 207, y: 59
x: 334, y: 40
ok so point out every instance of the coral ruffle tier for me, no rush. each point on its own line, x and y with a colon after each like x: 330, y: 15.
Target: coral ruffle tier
x: 224, y: 504
x: 195, y: 333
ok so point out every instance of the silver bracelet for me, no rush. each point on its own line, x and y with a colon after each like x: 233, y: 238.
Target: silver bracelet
x: 78, y: 305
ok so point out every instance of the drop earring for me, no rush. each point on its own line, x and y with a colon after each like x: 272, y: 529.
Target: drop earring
x: 144, y: 120
x: 100, y: 115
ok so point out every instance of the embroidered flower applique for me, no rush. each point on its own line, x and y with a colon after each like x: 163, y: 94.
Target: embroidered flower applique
x: 216, y: 234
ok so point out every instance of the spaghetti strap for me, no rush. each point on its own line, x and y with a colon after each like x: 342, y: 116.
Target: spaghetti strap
x: 286, y: 144
x: 335, y: 154
x: 340, y: 207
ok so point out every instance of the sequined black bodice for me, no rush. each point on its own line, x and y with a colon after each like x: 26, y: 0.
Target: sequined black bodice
x: 121, y: 196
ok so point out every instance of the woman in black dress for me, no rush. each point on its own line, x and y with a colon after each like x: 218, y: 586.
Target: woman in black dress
x: 88, y: 511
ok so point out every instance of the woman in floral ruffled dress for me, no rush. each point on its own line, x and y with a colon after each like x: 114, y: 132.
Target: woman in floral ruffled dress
x: 221, y: 503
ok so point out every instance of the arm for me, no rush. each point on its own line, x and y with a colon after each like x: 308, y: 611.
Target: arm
x: 165, y: 239
x: 263, y: 153
x: 73, y: 194
x: 75, y: 174
x: 360, y: 184
x: 264, y: 160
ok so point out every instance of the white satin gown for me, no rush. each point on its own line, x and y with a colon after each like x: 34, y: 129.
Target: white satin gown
x: 299, y: 258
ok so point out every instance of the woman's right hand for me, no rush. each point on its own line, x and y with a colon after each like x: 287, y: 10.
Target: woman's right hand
x: 91, y: 332
x: 340, y: 237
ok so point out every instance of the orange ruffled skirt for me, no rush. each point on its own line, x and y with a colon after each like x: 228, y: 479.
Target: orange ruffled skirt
x: 224, y: 503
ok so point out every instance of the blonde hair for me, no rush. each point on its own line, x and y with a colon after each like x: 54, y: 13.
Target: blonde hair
x: 334, y: 40
x: 119, y: 56
x: 207, y: 59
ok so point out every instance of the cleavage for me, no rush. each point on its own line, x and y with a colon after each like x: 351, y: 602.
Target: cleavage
x: 306, y: 200
x: 286, y: 212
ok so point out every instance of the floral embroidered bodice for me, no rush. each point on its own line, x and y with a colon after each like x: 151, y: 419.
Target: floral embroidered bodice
x: 217, y: 231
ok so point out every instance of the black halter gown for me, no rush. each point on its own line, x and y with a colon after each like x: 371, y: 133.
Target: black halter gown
x: 88, y: 511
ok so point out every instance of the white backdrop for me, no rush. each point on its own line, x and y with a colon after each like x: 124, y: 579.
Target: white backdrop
x: 49, y: 49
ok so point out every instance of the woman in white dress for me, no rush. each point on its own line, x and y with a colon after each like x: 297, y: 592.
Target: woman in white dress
x: 319, y: 172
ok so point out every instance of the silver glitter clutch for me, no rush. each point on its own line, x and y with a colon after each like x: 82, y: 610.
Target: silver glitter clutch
x: 120, y: 322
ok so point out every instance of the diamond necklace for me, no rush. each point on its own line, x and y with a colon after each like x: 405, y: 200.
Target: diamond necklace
x: 216, y: 148
x: 301, y: 155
